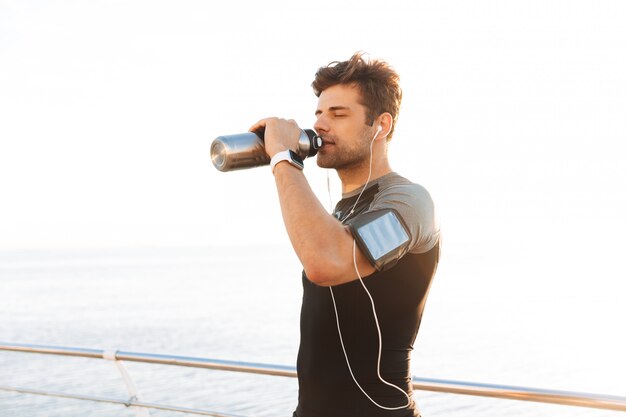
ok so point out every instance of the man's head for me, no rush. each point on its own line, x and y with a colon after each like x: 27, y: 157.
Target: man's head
x: 377, y: 83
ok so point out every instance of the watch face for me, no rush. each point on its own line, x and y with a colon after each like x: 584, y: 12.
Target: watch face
x: 295, y: 158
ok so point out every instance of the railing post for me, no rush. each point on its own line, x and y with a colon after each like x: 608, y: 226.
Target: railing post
x: 130, y: 385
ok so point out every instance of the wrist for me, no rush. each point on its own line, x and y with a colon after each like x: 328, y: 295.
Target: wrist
x: 288, y: 157
x: 275, y: 150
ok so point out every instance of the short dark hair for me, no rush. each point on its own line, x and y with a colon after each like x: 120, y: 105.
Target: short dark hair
x: 378, y: 83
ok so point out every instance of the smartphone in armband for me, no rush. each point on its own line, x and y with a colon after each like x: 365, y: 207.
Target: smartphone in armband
x: 382, y: 236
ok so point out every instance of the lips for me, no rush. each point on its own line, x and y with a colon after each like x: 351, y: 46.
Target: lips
x: 327, y: 141
x: 326, y: 146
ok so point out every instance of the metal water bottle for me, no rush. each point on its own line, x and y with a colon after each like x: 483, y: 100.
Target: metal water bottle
x: 247, y: 150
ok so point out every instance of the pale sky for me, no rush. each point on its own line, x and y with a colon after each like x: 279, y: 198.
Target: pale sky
x: 513, y: 117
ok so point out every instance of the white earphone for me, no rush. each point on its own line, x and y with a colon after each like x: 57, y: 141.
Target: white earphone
x: 378, y: 130
x: 380, y: 339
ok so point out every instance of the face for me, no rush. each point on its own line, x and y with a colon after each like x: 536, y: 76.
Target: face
x: 341, y: 122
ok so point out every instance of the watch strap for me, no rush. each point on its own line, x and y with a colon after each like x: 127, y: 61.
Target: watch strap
x: 289, y: 156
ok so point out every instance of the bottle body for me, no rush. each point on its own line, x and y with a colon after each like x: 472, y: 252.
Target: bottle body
x: 247, y: 150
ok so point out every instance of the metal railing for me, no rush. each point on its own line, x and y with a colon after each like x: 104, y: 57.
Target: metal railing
x: 578, y: 399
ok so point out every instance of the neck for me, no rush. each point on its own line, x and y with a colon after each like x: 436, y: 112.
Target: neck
x: 353, y: 178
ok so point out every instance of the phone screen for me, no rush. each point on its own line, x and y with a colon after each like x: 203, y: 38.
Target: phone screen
x: 382, y: 235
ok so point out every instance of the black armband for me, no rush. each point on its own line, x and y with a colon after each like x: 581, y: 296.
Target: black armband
x: 382, y: 236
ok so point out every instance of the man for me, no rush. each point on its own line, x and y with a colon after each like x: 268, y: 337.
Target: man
x: 367, y: 267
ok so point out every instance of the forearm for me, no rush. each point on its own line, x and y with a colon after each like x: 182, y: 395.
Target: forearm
x: 323, y: 245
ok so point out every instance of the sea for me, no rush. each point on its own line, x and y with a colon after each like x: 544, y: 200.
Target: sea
x: 242, y: 302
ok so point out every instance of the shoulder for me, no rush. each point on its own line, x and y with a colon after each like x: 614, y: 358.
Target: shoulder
x: 415, y: 206
x: 394, y: 188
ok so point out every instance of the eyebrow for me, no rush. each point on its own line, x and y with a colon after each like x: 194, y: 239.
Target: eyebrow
x: 333, y: 108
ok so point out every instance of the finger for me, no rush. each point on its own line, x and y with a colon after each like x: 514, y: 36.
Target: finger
x: 258, y: 125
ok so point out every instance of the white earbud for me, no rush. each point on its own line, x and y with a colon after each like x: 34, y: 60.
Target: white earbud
x: 378, y: 130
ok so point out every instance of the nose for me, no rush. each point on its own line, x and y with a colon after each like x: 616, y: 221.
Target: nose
x: 321, y: 125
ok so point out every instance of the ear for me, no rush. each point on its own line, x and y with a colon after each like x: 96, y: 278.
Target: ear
x: 385, y: 123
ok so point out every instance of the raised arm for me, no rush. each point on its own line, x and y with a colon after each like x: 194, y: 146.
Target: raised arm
x: 323, y: 245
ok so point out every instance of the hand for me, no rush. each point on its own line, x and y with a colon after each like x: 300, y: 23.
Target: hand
x: 280, y: 134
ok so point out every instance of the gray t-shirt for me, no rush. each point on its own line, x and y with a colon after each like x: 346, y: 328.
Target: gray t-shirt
x: 411, y: 201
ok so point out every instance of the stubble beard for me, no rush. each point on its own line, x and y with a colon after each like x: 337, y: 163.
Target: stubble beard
x: 342, y: 156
